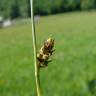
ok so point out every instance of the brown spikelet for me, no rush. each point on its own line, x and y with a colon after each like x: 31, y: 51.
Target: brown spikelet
x: 45, y: 52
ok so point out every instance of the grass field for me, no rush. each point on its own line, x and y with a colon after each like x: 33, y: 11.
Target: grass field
x: 74, y: 61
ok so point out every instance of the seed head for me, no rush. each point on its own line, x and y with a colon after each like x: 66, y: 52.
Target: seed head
x: 45, y: 52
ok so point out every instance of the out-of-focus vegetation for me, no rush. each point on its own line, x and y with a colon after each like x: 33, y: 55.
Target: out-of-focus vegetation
x: 73, y: 69
x: 21, y: 8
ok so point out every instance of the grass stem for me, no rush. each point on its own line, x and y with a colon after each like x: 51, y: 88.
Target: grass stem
x: 37, y: 71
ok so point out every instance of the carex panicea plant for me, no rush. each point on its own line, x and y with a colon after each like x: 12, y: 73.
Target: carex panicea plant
x: 45, y: 52
x: 41, y: 59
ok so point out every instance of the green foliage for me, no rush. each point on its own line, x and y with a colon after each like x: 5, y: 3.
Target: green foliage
x: 94, y: 3
x: 74, y: 61
x: 56, y: 6
x: 23, y: 4
x: 5, y: 8
x: 15, y: 10
x: 43, y: 7
x: 87, y: 4
x: 70, y: 5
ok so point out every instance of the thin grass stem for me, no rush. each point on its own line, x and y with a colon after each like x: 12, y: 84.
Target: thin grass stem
x: 37, y: 71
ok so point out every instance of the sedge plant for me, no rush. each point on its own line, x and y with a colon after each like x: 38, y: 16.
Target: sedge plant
x: 35, y: 51
x: 41, y: 59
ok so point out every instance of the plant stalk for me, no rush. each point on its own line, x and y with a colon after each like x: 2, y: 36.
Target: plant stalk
x: 37, y: 71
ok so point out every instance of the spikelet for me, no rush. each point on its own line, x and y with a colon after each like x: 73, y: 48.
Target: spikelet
x: 45, y: 52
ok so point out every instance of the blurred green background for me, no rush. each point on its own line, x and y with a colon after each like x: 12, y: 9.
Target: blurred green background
x: 74, y: 62
x: 21, y: 8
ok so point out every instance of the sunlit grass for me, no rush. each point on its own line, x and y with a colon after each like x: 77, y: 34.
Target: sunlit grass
x: 73, y: 64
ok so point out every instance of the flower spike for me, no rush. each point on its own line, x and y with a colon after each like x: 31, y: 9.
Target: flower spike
x: 45, y: 52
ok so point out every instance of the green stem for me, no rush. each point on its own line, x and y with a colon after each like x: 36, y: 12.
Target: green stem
x: 37, y: 71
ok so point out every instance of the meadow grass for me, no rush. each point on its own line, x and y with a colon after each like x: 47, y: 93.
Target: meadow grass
x: 73, y: 64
